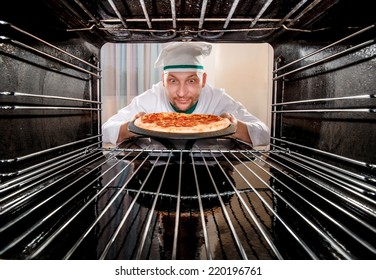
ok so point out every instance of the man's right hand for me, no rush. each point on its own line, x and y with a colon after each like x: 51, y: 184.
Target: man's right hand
x: 139, y: 114
x: 124, y: 133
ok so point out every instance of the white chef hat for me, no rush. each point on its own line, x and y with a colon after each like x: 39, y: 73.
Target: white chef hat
x: 183, y: 56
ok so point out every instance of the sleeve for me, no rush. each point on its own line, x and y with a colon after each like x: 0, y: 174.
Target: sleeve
x: 258, y: 131
x: 110, y: 129
x: 150, y: 101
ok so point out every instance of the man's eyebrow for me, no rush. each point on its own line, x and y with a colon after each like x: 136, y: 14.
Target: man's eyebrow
x: 189, y: 77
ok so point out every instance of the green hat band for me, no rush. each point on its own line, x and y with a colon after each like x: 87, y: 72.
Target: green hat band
x: 183, y: 66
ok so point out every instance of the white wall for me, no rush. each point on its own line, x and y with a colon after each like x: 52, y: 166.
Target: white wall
x: 245, y: 72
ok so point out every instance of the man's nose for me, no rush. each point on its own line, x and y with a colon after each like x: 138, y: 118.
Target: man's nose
x: 180, y: 92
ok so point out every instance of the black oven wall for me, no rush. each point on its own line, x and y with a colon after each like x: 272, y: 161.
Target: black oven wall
x: 49, y: 94
x: 337, y: 87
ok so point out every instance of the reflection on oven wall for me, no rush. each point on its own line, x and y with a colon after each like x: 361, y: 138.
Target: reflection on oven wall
x: 243, y: 70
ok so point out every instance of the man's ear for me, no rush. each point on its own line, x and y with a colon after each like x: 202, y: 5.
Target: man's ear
x: 163, y: 80
x: 204, y: 79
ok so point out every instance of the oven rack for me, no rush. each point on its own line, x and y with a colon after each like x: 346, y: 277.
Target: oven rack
x: 57, y: 55
x: 29, y: 95
x: 9, y: 30
x: 102, y: 199
x: 64, y: 151
x: 328, y: 109
x: 33, y: 111
x: 329, y: 57
x: 119, y: 25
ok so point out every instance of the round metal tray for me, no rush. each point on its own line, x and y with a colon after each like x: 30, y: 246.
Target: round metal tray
x: 168, y: 135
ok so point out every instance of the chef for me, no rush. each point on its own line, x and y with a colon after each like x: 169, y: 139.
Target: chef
x: 183, y: 89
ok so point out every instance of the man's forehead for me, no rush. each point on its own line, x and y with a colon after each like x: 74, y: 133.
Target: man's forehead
x: 184, y: 74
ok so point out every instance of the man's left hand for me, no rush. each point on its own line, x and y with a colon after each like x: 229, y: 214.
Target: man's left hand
x: 241, y: 128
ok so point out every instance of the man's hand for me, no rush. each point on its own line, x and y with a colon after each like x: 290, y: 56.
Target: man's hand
x: 241, y: 131
x: 124, y: 133
x: 139, y: 114
x: 231, y: 118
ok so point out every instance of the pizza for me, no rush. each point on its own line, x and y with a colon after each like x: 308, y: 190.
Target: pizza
x: 181, y: 123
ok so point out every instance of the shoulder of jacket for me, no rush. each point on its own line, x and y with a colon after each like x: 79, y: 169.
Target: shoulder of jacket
x: 156, y: 89
x: 209, y: 90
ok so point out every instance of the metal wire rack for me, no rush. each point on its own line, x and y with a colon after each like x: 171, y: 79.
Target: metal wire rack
x: 206, y: 20
x: 179, y: 204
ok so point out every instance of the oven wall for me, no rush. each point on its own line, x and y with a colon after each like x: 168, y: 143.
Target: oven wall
x: 30, y: 124
x: 348, y: 134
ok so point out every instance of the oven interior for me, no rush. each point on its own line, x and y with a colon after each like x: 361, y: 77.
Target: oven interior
x: 310, y: 195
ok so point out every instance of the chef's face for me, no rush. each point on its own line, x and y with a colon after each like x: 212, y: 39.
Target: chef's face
x: 183, y: 88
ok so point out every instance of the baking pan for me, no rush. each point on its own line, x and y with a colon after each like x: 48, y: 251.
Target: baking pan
x: 187, y: 136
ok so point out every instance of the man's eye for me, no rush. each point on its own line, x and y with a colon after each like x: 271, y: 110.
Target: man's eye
x: 192, y: 81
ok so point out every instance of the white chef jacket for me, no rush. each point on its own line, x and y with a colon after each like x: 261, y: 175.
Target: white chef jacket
x: 211, y: 101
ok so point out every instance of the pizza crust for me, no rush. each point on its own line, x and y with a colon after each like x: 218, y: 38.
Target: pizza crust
x: 181, y: 123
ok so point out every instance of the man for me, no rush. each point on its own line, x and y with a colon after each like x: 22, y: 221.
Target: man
x: 183, y: 89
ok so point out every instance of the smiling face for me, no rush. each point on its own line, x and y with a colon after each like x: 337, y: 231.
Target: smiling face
x: 183, y: 88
